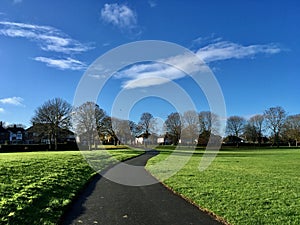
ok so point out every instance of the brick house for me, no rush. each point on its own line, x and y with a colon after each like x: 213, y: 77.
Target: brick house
x: 39, y: 134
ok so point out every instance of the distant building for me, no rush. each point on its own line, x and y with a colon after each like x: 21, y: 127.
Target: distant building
x: 4, y: 134
x: 16, y: 134
x: 39, y: 134
x: 231, y: 139
x: 160, y: 140
x: 152, y: 139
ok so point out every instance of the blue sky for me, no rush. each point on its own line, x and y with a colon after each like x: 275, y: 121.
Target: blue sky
x: 252, y: 47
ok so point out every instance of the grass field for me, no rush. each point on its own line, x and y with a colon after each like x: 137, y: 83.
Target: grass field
x: 36, y: 187
x: 242, y: 186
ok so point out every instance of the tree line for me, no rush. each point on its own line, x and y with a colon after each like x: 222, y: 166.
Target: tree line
x: 92, y: 125
x: 274, y: 123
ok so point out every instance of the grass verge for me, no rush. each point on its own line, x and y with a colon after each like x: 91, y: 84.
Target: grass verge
x: 36, y: 187
x: 242, y: 186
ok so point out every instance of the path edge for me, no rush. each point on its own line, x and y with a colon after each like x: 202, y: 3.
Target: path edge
x: 93, y: 177
x: 190, y: 201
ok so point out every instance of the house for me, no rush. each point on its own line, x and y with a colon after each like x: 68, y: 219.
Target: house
x: 39, y: 133
x: 16, y: 134
x: 4, y: 134
x: 151, y: 139
x: 160, y: 140
x: 231, y: 139
x: 165, y: 139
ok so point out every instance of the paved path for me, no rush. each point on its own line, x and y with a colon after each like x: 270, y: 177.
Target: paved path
x: 108, y: 203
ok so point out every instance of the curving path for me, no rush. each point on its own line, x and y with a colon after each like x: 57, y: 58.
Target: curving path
x: 108, y: 203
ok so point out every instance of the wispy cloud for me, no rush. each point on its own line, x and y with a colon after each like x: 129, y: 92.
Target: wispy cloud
x: 97, y: 76
x: 106, y: 44
x: 204, y: 41
x: 152, y: 3
x: 17, y: 101
x: 120, y: 16
x: 224, y: 50
x: 2, y: 110
x: 62, y: 64
x: 17, y: 1
x: 48, y: 38
x: 146, y: 75
x: 150, y: 74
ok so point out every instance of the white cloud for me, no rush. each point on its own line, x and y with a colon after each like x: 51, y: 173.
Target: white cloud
x: 48, y: 38
x: 17, y: 101
x: 62, y: 64
x: 224, y: 50
x: 2, y: 110
x: 150, y: 74
x: 120, y: 16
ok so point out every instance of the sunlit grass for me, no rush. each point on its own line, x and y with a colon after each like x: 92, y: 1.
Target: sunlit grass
x: 36, y: 187
x: 242, y: 186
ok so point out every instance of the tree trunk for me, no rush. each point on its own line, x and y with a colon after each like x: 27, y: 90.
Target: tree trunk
x: 259, y: 140
x: 55, y: 138
x: 50, y: 141
x: 55, y: 142
x: 277, y: 139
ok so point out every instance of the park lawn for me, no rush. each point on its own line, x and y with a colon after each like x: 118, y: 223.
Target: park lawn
x: 258, y: 186
x: 36, y: 187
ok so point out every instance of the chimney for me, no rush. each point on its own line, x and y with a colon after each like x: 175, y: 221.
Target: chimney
x: 1, y: 124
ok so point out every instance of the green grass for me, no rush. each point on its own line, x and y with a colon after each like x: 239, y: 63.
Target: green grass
x: 242, y: 186
x: 36, y: 187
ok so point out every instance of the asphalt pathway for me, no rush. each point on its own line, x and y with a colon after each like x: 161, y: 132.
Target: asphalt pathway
x: 108, y: 203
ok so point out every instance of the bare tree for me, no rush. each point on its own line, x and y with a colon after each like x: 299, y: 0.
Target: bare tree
x: 209, y: 127
x: 106, y: 131
x: 134, y: 130
x: 291, y: 129
x: 55, y: 114
x: 122, y: 130
x: 190, y: 131
x: 256, y: 124
x: 209, y: 122
x: 86, y: 119
x: 250, y: 132
x: 235, y: 125
x: 275, y: 117
x: 173, y: 126
x: 146, y: 124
